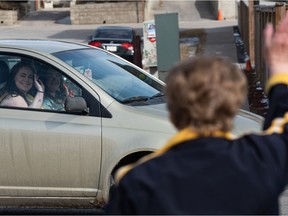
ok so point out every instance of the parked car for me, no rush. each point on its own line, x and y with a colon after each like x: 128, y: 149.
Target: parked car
x: 115, y: 114
x: 61, y: 3
x: 116, y: 39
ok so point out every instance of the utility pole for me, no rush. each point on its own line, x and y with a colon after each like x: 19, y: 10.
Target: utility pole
x: 251, y: 32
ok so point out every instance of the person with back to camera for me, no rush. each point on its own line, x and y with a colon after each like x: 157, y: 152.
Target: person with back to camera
x: 20, y: 87
x: 56, y: 93
x: 203, y: 169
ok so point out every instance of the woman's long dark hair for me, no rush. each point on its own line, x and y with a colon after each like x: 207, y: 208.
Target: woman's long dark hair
x: 11, y: 87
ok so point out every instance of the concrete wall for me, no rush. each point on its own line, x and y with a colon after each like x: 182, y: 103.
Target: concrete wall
x: 192, y: 10
x: 8, y: 17
x: 100, y: 13
x: 228, y: 8
x: 12, y: 11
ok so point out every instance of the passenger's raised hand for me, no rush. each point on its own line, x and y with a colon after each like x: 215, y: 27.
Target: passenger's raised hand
x: 38, y: 84
x: 276, y: 47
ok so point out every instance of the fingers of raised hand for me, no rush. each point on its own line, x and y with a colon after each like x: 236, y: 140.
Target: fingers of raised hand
x: 38, y: 83
x: 281, y: 33
x: 283, y: 25
x: 268, y: 35
x: 276, y: 46
x: 280, y: 42
x: 41, y: 83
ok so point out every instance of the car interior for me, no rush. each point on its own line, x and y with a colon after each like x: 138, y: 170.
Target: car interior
x: 7, y: 62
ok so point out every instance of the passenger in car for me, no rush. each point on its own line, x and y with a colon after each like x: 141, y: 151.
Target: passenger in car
x: 56, y: 92
x: 23, y: 88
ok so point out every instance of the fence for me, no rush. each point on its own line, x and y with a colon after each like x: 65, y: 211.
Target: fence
x: 252, y: 20
x: 245, y: 24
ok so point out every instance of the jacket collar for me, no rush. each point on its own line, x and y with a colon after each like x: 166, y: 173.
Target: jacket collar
x: 188, y: 134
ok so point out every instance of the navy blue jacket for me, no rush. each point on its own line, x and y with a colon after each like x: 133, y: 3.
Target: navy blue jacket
x: 212, y: 175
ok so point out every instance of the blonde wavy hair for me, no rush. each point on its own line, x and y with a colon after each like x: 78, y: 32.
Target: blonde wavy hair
x: 205, y: 93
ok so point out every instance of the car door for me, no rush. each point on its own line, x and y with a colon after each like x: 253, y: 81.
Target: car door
x: 49, y: 153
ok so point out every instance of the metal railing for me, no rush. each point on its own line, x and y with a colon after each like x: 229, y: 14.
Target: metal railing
x: 251, y: 23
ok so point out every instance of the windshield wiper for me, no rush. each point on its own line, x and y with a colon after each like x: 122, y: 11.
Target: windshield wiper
x: 160, y: 94
x: 142, y: 98
x: 138, y: 98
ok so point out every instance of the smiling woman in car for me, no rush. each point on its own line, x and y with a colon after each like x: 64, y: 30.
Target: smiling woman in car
x: 19, y: 89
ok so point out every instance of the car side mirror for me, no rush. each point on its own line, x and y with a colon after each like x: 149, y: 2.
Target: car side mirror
x: 76, y: 104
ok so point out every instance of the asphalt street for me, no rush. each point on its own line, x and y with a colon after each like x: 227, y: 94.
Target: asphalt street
x: 50, y: 211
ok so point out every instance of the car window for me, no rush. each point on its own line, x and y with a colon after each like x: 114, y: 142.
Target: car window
x: 113, y: 33
x: 57, y: 86
x: 121, y: 80
x: 9, y: 93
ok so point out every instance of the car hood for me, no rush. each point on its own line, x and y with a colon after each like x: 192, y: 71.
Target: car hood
x: 153, y: 118
x: 156, y: 118
x: 247, y: 122
x: 244, y: 122
x: 155, y: 109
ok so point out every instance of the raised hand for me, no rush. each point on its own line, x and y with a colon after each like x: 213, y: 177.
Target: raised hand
x: 276, y: 46
x: 38, y: 84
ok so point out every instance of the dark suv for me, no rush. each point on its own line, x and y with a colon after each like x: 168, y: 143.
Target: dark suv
x: 116, y: 39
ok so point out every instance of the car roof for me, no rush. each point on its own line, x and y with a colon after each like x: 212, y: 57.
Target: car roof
x: 43, y: 46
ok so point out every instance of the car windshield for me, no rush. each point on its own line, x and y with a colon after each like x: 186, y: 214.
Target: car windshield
x: 113, y: 33
x: 120, y: 79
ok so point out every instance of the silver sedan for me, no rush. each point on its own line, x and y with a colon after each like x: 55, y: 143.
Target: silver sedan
x: 113, y: 114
